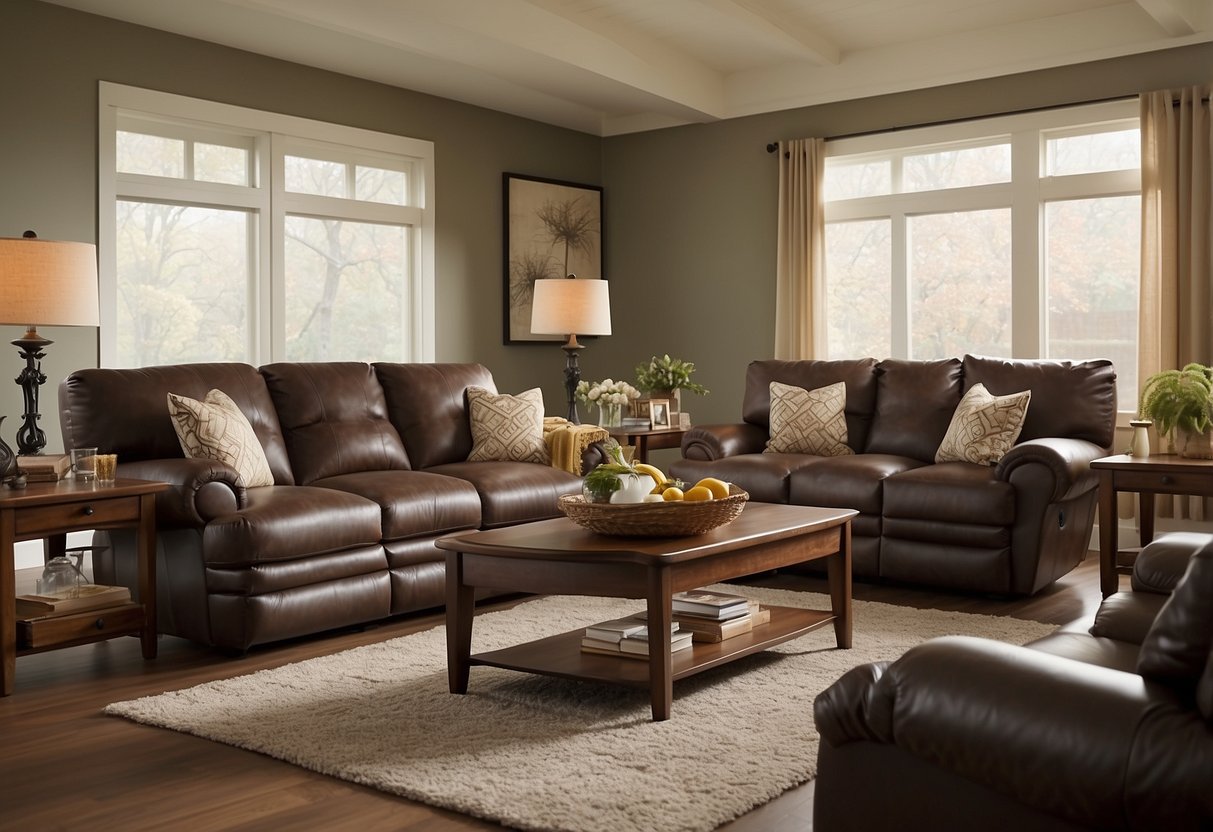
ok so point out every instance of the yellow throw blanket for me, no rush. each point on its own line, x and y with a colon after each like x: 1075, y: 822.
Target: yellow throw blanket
x: 567, y: 442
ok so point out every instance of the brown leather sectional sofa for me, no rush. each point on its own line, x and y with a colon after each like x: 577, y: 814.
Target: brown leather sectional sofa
x: 369, y: 466
x: 1012, y: 528
x: 1107, y: 730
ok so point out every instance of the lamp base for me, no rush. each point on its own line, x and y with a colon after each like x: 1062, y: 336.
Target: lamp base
x: 30, y: 438
x: 572, y: 376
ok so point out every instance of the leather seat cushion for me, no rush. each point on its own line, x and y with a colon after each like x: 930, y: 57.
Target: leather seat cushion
x: 414, y: 502
x: 764, y: 476
x: 1104, y: 652
x: 954, y: 492
x: 285, y: 522
x: 514, y: 492
x: 846, y: 481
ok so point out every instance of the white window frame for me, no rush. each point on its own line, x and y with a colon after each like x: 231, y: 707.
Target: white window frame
x: 1026, y: 195
x: 269, y: 136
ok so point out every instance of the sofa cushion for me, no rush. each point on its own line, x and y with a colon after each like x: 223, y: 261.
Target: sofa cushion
x: 847, y: 482
x: 984, y: 427
x: 950, y: 492
x: 915, y: 401
x: 507, y: 428
x: 808, y: 421
x: 1080, y: 396
x: 428, y: 405
x: 334, y: 418
x: 214, y: 428
x: 858, y: 374
x: 414, y: 503
x: 1177, y: 647
x: 764, y: 476
x: 514, y: 492
x: 289, y: 522
x: 123, y: 411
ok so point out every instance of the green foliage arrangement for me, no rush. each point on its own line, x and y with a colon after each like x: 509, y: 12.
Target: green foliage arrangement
x: 1179, y: 398
x: 667, y: 373
x: 604, y: 479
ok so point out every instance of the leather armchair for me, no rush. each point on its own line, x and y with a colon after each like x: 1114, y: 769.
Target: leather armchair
x: 1077, y: 731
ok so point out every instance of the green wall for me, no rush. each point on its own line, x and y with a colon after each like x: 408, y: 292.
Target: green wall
x: 690, y: 211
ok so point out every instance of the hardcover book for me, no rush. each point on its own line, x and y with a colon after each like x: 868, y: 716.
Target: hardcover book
x: 87, y: 597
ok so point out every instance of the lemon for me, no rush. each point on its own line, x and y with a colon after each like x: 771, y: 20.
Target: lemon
x: 719, y: 488
x: 672, y: 494
x: 699, y: 493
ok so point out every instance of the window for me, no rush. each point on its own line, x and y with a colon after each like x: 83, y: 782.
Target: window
x: 230, y: 234
x: 1016, y: 236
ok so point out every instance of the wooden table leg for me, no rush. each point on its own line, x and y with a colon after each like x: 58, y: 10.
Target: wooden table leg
x: 838, y: 572
x: 8, y: 604
x: 460, y: 606
x: 1145, y: 516
x: 1109, y: 579
x: 661, y: 664
x: 147, y: 573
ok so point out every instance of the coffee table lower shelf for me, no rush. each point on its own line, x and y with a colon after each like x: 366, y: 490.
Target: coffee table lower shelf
x: 561, y: 655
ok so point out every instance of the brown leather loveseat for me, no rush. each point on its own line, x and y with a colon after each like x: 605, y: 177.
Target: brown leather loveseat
x: 1009, y: 528
x: 1107, y: 730
x: 370, y: 468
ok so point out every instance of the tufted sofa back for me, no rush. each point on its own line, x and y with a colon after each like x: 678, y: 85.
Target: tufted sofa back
x: 126, y: 411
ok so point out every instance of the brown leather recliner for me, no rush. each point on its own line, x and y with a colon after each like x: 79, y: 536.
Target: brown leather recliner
x: 1107, y: 730
x: 1010, y: 528
x: 370, y: 469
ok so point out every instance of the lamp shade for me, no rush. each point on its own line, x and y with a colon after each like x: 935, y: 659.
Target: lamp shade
x: 47, y: 282
x: 569, y: 306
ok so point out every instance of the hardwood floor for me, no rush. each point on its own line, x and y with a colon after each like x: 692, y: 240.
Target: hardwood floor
x: 66, y: 766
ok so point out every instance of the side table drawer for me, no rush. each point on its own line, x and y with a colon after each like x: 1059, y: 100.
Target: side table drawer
x: 67, y: 517
x: 39, y: 633
x: 1178, y: 483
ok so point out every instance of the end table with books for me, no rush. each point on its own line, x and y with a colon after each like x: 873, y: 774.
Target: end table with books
x: 50, y: 510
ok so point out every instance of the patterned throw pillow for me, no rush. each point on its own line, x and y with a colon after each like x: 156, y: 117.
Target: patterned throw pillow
x: 507, y: 428
x: 984, y: 427
x: 808, y: 421
x: 214, y: 428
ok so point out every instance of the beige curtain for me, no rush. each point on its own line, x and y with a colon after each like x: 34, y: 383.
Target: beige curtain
x: 1176, y: 315
x: 800, y: 265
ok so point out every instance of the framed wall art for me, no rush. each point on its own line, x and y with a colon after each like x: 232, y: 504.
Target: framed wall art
x: 552, y: 229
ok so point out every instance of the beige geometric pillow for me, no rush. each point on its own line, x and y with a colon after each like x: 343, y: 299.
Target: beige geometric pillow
x: 808, y: 421
x: 214, y: 428
x: 507, y: 428
x: 984, y: 427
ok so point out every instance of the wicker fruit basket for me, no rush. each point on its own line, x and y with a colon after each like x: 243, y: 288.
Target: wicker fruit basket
x: 673, y: 519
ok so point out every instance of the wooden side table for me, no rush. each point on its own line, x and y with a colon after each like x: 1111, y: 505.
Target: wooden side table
x: 51, y: 510
x: 648, y: 439
x: 1150, y: 475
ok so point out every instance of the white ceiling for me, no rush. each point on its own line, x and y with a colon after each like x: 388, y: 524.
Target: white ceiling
x: 618, y: 66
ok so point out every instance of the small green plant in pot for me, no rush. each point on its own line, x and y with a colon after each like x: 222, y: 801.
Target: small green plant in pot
x: 1181, y: 404
x: 664, y: 377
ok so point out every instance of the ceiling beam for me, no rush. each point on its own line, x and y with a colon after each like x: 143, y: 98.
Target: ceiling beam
x: 814, y: 47
x: 1179, y: 18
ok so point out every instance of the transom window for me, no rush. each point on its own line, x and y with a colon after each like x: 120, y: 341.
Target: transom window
x: 230, y: 234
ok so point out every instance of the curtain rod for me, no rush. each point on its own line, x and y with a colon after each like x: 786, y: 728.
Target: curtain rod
x: 774, y: 146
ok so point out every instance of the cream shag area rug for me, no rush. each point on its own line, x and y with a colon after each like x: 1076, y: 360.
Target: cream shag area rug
x: 539, y: 753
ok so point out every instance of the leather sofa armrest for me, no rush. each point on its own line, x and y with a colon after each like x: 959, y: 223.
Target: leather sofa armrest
x: 1127, y: 616
x: 711, y: 442
x: 201, y: 489
x: 1163, y: 561
x: 1068, y: 460
x: 1062, y: 736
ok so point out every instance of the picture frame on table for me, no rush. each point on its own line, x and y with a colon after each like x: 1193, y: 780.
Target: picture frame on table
x: 552, y: 229
x: 659, y: 413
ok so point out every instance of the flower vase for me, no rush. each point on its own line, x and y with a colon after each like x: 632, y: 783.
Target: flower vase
x: 610, y: 415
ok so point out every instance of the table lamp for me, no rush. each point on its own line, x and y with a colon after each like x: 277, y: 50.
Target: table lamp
x: 572, y: 307
x: 50, y: 283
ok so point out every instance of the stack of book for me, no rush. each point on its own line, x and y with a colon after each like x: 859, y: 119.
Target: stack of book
x: 44, y: 467
x: 79, y: 599
x: 716, y: 616
x: 628, y: 637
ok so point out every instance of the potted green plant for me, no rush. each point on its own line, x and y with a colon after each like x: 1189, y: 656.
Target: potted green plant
x: 664, y: 377
x: 1181, y: 404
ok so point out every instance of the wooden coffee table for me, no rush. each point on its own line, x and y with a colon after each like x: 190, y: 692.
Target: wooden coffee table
x: 558, y: 557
